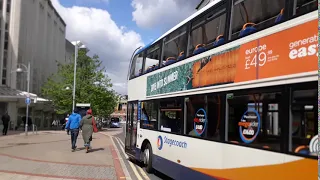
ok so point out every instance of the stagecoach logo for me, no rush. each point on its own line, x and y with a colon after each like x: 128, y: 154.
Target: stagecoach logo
x: 160, y: 142
x: 170, y: 142
x: 249, y: 126
x: 200, y: 121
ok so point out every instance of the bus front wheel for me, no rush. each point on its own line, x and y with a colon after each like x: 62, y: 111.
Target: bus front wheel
x: 147, y: 158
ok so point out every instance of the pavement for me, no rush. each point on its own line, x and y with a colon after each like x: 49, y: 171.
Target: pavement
x: 48, y: 156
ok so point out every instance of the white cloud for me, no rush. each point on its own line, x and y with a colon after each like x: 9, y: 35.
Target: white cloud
x: 162, y: 13
x: 102, y: 36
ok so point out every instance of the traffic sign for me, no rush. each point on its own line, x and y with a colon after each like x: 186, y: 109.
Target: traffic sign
x: 28, y: 101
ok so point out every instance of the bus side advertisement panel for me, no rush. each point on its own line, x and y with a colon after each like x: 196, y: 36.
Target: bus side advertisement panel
x: 287, y: 52
x: 290, y: 51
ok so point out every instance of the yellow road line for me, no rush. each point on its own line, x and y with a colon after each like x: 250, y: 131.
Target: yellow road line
x: 134, y: 169
x: 139, y: 168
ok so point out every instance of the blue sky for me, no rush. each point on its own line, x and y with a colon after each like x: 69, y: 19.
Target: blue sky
x: 113, y: 29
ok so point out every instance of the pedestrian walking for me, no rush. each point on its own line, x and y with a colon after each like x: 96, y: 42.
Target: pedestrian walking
x: 5, y: 121
x: 88, y: 126
x: 73, y: 126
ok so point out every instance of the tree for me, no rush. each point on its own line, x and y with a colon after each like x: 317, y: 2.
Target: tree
x: 92, y: 86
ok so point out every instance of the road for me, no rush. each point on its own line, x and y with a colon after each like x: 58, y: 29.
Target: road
x: 47, y: 156
x: 134, y: 169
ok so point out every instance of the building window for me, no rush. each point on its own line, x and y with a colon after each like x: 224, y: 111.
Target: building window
x: 149, y: 115
x: 207, y: 29
x: 119, y: 107
x: 152, y: 58
x: 7, y: 26
x: 254, y: 120
x: 6, y: 45
x: 262, y: 13
x: 4, y: 73
x: 5, y: 57
x: 4, y: 81
x: 175, y: 44
x: 171, y: 116
x: 304, y: 124
x: 8, y: 7
x: 136, y: 65
x: 6, y: 36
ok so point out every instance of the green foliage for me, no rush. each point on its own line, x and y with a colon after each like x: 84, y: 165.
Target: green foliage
x: 92, y: 86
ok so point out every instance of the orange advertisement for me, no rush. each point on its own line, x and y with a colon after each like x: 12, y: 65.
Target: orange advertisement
x: 290, y: 51
x: 216, y: 69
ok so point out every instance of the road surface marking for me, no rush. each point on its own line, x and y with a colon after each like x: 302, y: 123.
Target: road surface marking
x: 121, y: 141
x: 139, y: 168
x: 133, y: 167
x: 124, y: 167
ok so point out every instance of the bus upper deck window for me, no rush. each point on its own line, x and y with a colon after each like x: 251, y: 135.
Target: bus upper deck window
x: 175, y: 44
x: 260, y: 12
x: 152, y: 59
x: 206, y: 31
x: 305, y: 6
x: 136, y: 66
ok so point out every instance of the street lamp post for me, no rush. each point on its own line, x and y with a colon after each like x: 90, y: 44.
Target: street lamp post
x: 27, y: 70
x: 77, y: 45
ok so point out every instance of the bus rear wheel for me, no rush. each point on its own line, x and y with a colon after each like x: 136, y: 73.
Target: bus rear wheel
x: 147, y: 158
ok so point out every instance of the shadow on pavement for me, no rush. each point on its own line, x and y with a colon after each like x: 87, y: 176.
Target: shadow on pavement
x: 97, y: 149
x: 92, y: 150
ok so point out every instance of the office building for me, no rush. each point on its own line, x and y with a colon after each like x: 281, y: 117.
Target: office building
x: 31, y: 31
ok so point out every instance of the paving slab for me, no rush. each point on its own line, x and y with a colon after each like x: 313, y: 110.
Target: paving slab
x: 48, y: 155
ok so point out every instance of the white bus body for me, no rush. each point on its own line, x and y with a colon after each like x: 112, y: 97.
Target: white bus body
x: 183, y: 157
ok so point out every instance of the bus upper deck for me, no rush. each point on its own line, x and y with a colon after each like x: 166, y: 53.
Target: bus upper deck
x: 219, y: 23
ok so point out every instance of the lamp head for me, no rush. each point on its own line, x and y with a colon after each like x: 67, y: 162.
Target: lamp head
x: 19, y: 70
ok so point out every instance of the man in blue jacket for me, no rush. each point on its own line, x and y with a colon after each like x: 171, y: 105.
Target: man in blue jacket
x: 73, y: 126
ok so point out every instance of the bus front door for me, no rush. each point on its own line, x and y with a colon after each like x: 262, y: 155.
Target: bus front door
x: 131, y: 129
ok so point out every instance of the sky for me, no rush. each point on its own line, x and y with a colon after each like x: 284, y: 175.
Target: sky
x: 113, y: 29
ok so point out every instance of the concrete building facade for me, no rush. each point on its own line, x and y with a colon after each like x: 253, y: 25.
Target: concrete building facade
x: 70, y: 50
x: 37, y: 34
x: 31, y: 31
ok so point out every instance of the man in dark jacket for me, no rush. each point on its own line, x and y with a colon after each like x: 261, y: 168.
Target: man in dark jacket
x: 5, y: 121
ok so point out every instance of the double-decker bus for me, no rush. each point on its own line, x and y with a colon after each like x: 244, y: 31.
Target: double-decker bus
x: 229, y: 93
